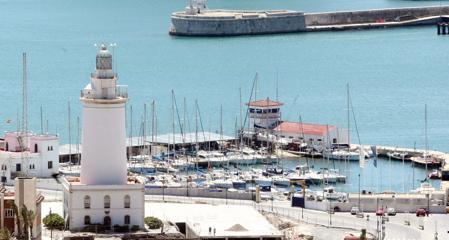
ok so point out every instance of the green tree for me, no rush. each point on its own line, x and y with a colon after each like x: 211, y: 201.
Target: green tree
x: 53, y: 221
x: 18, y: 222
x: 26, y: 226
x: 5, y: 234
x: 153, y: 223
x: 363, y: 235
x: 28, y: 217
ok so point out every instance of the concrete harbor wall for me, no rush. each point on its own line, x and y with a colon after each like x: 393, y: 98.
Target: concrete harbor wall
x: 200, y: 192
x: 263, y: 23
x: 405, y: 203
x: 375, y: 16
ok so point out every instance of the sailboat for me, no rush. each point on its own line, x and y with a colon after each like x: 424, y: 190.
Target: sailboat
x: 426, y: 159
x: 346, y: 153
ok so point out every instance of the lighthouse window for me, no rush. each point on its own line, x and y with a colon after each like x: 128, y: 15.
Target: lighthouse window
x: 127, y: 201
x: 50, y: 164
x: 127, y: 219
x: 35, y: 147
x: 87, y: 201
x: 107, y: 201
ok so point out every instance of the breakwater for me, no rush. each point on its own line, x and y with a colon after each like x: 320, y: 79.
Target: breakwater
x: 232, y: 23
x: 375, y: 18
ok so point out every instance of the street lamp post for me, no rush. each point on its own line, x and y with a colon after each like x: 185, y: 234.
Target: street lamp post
x: 359, y: 191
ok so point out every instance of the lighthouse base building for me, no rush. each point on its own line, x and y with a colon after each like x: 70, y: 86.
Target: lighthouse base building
x: 105, y: 205
x: 103, y: 197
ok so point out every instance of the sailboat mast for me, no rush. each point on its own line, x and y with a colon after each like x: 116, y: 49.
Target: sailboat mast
x: 70, y: 134
x: 42, y: 121
x: 196, y: 134
x: 173, y: 118
x: 144, y: 128
x: 349, y: 117
x: 425, y: 135
x: 24, y: 94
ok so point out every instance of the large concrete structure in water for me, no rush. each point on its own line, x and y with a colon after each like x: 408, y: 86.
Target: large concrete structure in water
x: 103, y: 194
x: 196, y: 20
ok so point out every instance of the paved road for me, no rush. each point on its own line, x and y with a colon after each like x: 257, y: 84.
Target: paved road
x: 395, y: 228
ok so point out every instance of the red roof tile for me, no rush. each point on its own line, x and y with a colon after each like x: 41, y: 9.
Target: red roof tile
x: 307, y: 128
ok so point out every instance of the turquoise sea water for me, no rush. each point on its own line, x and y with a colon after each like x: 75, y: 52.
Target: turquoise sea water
x: 392, y: 72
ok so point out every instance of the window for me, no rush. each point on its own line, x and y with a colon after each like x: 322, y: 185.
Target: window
x: 35, y: 147
x: 32, y: 166
x: 334, y: 140
x: 86, y: 220
x: 18, y: 167
x: 127, y: 219
x: 127, y: 201
x: 48, y: 148
x: 251, y: 110
x: 107, y: 201
x: 9, y: 213
x: 107, y: 221
x: 50, y: 164
x: 87, y: 201
x: 7, y: 146
x: 4, y: 167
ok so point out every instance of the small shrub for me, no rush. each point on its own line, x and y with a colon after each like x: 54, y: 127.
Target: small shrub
x: 53, y: 221
x: 153, y: 223
x: 121, y: 229
x: 135, y: 228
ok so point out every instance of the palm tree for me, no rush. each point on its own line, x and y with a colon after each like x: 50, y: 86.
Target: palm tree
x: 19, y: 225
x: 26, y: 226
x: 5, y: 234
x: 31, y: 216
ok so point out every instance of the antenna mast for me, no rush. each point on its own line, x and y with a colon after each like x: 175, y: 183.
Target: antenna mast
x: 24, y: 94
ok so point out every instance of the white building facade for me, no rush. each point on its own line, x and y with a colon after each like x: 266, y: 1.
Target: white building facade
x: 317, y: 135
x: 103, y: 194
x: 264, y: 114
x: 25, y: 154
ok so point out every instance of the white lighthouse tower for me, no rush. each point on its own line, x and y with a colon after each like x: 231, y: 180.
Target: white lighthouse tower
x: 103, y: 194
x: 104, y: 146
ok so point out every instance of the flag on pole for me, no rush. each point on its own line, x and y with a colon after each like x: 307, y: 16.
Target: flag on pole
x: 374, y: 149
x: 361, y: 157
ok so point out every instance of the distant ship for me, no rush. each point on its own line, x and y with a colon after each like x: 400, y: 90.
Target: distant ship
x: 197, y: 20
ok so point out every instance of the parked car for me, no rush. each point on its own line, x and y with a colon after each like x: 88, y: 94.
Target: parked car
x: 391, y: 211
x: 421, y: 212
x: 380, y: 212
x: 354, y: 210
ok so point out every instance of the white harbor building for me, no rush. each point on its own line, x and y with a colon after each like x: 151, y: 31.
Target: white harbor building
x: 25, y: 154
x: 103, y: 194
x: 265, y: 116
